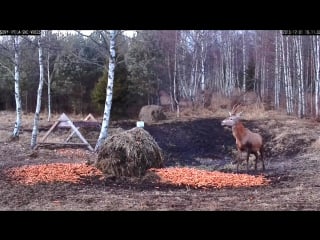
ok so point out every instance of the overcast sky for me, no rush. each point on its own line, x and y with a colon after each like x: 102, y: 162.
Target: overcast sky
x: 129, y: 33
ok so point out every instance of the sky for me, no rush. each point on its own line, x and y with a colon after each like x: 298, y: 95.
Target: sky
x: 129, y: 33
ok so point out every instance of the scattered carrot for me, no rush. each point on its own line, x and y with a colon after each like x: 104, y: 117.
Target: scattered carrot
x: 196, y: 178
x: 54, y: 172
x: 190, y: 177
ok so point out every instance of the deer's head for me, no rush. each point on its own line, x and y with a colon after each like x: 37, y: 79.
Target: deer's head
x: 233, y: 118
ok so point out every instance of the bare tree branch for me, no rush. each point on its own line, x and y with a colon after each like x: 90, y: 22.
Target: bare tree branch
x: 7, y: 68
x: 105, y: 48
x: 83, y: 60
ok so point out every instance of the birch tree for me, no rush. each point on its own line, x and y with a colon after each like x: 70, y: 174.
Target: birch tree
x: 175, y: 97
x: 316, y: 52
x: 244, y: 62
x: 286, y: 73
x: 48, y: 33
x: 299, y: 74
x: 228, y: 54
x: 17, y: 125
x: 38, y: 106
x: 257, y: 67
x: 49, y: 86
x: 277, y: 74
x: 203, y: 55
x: 108, y: 103
x: 289, y: 78
x: 191, y: 63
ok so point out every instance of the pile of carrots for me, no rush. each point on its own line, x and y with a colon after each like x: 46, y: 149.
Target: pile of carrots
x: 196, y: 178
x: 177, y: 176
x: 54, y: 172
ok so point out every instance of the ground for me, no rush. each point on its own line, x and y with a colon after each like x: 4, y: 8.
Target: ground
x: 292, y: 166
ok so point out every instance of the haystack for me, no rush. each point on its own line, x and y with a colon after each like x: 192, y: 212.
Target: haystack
x: 129, y: 153
x: 152, y: 113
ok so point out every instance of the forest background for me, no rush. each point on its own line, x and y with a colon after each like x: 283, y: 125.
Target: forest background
x: 281, y: 70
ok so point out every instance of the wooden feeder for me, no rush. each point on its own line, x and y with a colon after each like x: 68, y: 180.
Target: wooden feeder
x: 65, y: 122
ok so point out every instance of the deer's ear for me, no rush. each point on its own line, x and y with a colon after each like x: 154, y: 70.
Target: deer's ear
x: 230, y: 114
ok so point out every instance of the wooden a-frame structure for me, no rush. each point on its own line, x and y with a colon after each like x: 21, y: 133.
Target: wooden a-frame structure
x: 85, y: 121
x: 65, y: 122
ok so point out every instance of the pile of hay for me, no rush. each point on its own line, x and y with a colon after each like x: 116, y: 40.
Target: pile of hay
x: 152, y: 113
x: 129, y: 153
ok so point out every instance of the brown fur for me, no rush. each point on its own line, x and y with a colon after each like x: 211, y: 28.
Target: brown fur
x: 247, y: 141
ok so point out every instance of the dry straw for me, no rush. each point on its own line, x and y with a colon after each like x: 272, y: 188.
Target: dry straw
x: 129, y: 153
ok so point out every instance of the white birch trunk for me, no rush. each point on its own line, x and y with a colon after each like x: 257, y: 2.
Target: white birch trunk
x: 232, y: 65
x: 244, y: 62
x: 182, y: 75
x: 299, y: 72
x: 256, y: 75
x: 256, y: 68
x: 285, y: 75
x: 316, y: 50
x: 39, y: 94
x: 49, y: 87
x: 175, y: 77
x: 309, y: 76
x: 223, y: 75
x: 170, y: 83
x: 228, y: 66
x: 303, y: 100
x: 17, y: 126
x: 193, y: 86
x: 263, y: 75
x: 236, y: 67
x: 109, y: 91
x: 289, y: 79
x: 264, y: 83
x: 277, y: 74
x: 203, y: 85
x: 203, y: 56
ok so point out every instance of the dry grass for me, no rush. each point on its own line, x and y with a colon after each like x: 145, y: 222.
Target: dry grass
x: 315, y: 146
x: 254, y: 112
x: 200, y: 111
x: 219, y: 101
x: 8, y: 118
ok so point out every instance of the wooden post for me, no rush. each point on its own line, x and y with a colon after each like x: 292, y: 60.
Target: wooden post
x: 80, y: 135
x: 66, y: 122
x: 50, y: 130
x: 89, y: 116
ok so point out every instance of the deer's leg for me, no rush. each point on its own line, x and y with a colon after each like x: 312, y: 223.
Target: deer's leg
x: 248, y: 154
x: 255, y: 160
x: 261, y: 156
x: 238, y: 159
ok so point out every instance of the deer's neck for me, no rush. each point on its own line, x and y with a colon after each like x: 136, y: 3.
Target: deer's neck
x: 239, y: 131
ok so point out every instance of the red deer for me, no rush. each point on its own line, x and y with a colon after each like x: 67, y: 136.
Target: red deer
x: 247, y: 141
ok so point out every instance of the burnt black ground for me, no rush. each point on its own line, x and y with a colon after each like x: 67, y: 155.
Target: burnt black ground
x: 202, y: 143
x: 185, y: 143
